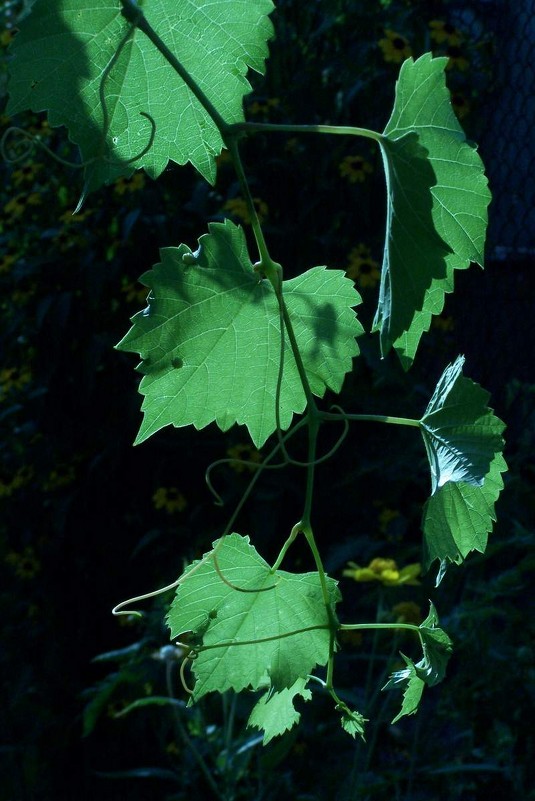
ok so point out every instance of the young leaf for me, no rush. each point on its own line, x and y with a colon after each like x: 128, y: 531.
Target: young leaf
x: 216, y: 42
x: 437, y: 205
x: 267, y: 637
x: 463, y: 439
x: 353, y: 723
x: 210, y: 338
x: 275, y: 712
x: 430, y: 670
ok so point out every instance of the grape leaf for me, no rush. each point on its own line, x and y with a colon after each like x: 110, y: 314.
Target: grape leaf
x: 353, y: 722
x: 460, y: 432
x: 437, y: 647
x: 458, y: 517
x: 464, y: 443
x: 216, y: 42
x: 247, y: 639
x: 275, y: 712
x: 210, y: 338
x: 437, y: 206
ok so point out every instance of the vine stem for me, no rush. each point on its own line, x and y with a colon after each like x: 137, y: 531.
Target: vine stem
x: 374, y: 418
x: 342, y: 130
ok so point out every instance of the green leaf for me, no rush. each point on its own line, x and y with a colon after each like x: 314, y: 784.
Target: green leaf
x: 460, y: 432
x: 437, y: 206
x: 412, y: 685
x: 353, y: 722
x: 254, y: 637
x: 457, y: 519
x: 275, y: 712
x: 210, y: 338
x: 215, y: 42
x: 464, y: 444
x: 437, y: 647
x: 151, y: 700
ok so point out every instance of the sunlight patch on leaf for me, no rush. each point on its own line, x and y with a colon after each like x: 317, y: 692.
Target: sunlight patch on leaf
x: 216, y: 42
x: 275, y: 713
x: 210, y: 338
x: 248, y: 639
x: 463, y: 440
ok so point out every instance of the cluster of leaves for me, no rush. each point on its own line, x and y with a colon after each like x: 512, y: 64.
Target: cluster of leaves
x: 469, y: 478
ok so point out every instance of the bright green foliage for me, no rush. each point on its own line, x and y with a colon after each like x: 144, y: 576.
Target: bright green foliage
x: 458, y: 517
x: 247, y: 639
x: 463, y: 439
x: 210, y: 338
x: 215, y: 42
x: 275, y: 712
x: 353, y: 723
x: 430, y: 670
x: 437, y: 205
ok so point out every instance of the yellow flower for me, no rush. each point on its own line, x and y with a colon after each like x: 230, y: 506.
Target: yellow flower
x: 395, y: 47
x: 170, y: 499
x: 408, y: 612
x: 68, y: 218
x: 460, y: 104
x: 263, y: 108
x: 456, y: 59
x: 355, y: 169
x: 444, y: 32
x: 61, y: 477
x: 26, y: 174
x: 237, y: 207
x: 362, y: 268
x: 443, y: 323
x: 241, y: 454
x: 25, y: 563
x: 133, y: 292
x: 18, y: 204
x: 133, y: 184
x: 13, y: 379
x: 386, y: 516
x: 386, y: 571
x: 6, y: 37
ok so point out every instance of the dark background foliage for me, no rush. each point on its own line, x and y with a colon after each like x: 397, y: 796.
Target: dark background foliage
x: 87, y: 520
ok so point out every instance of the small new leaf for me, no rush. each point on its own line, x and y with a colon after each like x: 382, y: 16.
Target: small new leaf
x: 210, y: 338
x: 437, y: 647
x: 275, y: 712
x: 266, y: 637
x: 463, y: 440
x: 437, y: 206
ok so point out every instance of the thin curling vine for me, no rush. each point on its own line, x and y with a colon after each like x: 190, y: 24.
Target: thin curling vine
x: 226, y: 338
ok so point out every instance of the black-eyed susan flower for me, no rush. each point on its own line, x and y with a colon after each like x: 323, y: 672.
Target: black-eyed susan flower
x: 407, y: 612
x: 355, y: 169
x: 444, y: 32
x: 460, y: 104
x: 237, y: 207
x: 395, y: 47
x: 25, y: 563
x: 386, y: 571
x: 457, y: 59
x: 244, y: 457
x: 133, y: 184
x: 169, y: 499
x: 362, y: 268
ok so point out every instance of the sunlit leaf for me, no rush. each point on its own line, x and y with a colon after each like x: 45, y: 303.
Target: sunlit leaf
x: 266, y: 636
x: 275, y: 713
x: 463, y: 439
x: 64, y: 47
x: 210, y: 338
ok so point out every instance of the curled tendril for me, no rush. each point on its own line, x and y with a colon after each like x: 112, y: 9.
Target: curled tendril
x: 234, y: 586
x: 245, y: 462
x: 35, y: 140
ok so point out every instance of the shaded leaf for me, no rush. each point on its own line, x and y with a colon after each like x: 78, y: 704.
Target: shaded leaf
x: 430, y: 670
x: 463, y: 439
x: 210, y: 338
x: 215, y: 42
x: 437, y: 205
